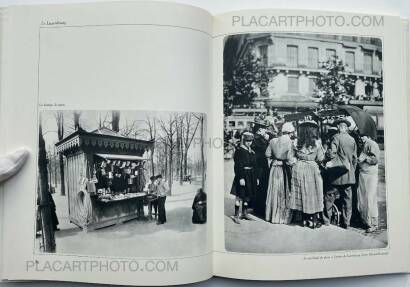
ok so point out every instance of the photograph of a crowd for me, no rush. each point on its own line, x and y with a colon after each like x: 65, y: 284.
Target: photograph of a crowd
x: 121, y: 183
x: 303, y: 143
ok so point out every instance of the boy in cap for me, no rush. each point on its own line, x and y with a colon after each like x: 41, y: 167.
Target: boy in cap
x: 245, y: 182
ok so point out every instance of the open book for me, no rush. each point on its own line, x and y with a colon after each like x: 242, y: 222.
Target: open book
x: 170, y: 145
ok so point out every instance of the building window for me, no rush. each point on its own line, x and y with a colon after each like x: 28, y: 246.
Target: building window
x: 312, y: 85
x: 313, y: 57
x: 330, y: 53
x: 350, y: 62
x: 368, y: 63
x: 263, y: 53
x: 292, y: 56
x: 293, y: 84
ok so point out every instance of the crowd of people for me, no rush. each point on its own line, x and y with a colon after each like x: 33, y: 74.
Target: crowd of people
x: 287, y: 175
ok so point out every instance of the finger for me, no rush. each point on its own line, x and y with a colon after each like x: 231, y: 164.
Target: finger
x: 12, y: 162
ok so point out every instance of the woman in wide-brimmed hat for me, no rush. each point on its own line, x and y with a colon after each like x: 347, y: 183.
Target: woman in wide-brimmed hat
x: 307, y: 184
x: 280, y: 152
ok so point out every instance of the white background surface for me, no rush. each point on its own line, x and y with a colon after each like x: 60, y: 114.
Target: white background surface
x: 394, y: 7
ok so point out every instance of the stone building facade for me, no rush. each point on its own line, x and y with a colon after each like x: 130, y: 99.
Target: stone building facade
x: 293, y: 62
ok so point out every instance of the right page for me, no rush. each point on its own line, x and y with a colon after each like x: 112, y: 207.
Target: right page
x: 311, y: 177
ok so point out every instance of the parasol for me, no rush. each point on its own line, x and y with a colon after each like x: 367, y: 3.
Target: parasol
x: 363, y: 120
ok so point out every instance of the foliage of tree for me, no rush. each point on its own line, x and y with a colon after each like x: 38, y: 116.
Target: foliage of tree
x: 332, y: 86
x: 249, y: 79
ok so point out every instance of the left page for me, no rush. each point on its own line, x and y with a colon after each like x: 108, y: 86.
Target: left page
x: 112, y: 99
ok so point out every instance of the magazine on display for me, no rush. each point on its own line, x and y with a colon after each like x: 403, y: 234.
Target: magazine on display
x: 169, y: 145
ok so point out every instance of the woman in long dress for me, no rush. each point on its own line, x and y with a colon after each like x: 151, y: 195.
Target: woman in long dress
x: 199, y: 207
x: 367, y: 189
x: 307, y: 184
x: 277, y: 200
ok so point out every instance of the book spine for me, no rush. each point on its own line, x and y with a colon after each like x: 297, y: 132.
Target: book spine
x: 406, y: 79
x: 3, y: 19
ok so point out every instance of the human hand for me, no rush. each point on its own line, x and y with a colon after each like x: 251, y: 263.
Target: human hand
x: 11, y: 163
x: 242, y: 182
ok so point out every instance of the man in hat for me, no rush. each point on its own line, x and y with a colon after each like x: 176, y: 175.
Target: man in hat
x: 162, y: 191
x: 367, y: 189
x: 259, y: 145
x: 245, y: 181
x: 152, y: 197
x: 343, y: 152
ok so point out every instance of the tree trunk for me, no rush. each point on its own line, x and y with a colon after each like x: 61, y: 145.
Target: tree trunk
x: 76, y: 120
x: 50, y: 176
x: 185, y: 163
x: 170, y: 175
x: 62, y: 183
x: 43, y: 196
x: 166, y: 159
x: 181, y: 167
x: 203, y: 153
x: 115, y: 123
x: 179, y: 153
x: 55, y: 165
x: 60, y: 134
x: 152, y: 161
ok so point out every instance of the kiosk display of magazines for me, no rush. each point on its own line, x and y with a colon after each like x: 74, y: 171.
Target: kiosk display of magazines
x: 105, y: 177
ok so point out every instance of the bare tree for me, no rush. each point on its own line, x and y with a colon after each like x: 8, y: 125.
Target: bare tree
x: 169, y: 128
x: 131, y: 129
x: 44, y: 203
x: 103, y: 121
x: 59, y: 116
x: 201, y: 119
x: 191, y: 126
x: 151, y: 124
x: 179, y: 122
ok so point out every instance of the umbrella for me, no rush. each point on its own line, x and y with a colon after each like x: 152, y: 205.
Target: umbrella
x: 363, y: 120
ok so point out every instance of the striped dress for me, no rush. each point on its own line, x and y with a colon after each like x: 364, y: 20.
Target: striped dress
x: 307, y: 184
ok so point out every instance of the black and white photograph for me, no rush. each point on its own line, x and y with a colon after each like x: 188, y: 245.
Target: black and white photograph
x: 121, y: 183
x: 304, y: 164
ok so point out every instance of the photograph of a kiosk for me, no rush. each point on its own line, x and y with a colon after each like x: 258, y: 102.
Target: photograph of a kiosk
x: 86, y: 153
